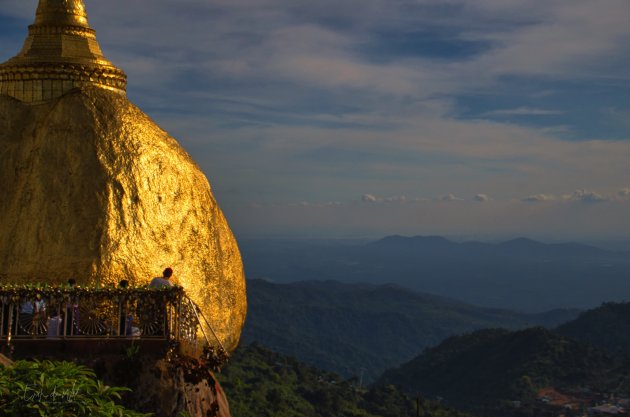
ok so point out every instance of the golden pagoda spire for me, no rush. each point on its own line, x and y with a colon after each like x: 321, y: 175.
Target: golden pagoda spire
x: 55, y: 12
x: 60, y: 53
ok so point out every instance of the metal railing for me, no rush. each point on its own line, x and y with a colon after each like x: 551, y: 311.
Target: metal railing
x: 71, y: 313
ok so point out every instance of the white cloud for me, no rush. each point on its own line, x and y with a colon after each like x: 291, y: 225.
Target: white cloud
x: 587, y: 196
x: 539, y: 198
x: 370, y: 198
x: 481, y: 198
x: 397, y: 199
x: 449, y: 197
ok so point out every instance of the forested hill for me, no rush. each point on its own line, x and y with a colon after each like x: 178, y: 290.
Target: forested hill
x: 261, y: 383
x: 488, y: 369
x: 607, y: 326
x: 361, y: 329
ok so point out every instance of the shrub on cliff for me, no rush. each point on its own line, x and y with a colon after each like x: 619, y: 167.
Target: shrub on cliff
x: 57, y: 389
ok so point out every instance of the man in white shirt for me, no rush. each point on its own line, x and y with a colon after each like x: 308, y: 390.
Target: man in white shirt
x: 164, y: 280
x: 160, y: 314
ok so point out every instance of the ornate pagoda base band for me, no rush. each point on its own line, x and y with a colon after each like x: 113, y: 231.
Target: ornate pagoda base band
x: 36, y: 83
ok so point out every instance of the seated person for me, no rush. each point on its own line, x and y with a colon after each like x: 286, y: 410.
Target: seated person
x: 163, y: 281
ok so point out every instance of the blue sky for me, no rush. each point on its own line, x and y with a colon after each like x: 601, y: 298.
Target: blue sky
x: 475, y: 118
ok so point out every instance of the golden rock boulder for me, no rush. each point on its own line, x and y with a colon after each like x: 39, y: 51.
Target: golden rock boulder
x: 93, y: 189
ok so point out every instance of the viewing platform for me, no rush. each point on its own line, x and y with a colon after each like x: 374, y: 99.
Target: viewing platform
x: 41, y: 320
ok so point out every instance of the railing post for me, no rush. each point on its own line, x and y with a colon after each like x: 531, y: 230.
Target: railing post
x: 116, y: 320
x: 60, y: 322
x: 2, y: 320
x: 179, y: 318
x: 170, y: 314
x: 10, y: 322
x: 64, y: 323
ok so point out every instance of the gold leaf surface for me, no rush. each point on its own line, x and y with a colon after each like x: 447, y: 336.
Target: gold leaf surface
x: 93, y: 189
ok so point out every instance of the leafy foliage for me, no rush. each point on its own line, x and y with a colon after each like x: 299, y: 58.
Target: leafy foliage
x: 262, y: 383
x: 57, y: 389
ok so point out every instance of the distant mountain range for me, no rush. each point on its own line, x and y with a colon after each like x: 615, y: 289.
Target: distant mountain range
x: 364, y: 329
x: 519, y: 274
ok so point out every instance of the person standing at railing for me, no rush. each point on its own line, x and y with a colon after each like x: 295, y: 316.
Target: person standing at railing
x: 164, y: 280
x: 161, y: 282
x: 35, y: 306
x: 72, y: 312
x: 32, y: 314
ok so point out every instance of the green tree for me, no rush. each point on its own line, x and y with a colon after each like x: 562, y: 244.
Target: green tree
x: 57, y: 389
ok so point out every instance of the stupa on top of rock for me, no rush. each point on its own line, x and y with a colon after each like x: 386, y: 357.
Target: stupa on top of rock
x: 93, y: 189
x: 59, y: 54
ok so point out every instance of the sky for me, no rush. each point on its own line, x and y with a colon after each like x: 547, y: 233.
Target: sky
x: 472, y: 118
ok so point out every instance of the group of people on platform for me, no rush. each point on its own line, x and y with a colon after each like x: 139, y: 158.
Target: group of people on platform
x: 35, y: 311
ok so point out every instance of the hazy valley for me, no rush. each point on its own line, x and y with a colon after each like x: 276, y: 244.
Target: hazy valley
x: 489, y: 372
x: 363, y: 329
x: 521, y: 274
x: 400, y: 312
